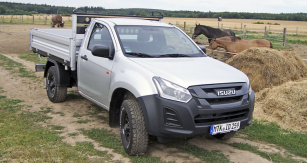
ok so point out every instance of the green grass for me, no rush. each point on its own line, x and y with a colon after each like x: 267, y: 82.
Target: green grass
x: 274, y: 157
x: 77, y: 115
x: 258, y: 22
x: 73, y: 134
x: 61, y: 113
x: 32, y: 57
x: 56, y: 127
x: 276, y: 39
x: 105, y: 119
x: 83, y: 121
x: 46, y: 110
x: 109, y: 140
x: 95, y: 109
x: 205, y: 155
x: 21, y: 139
x: 16, y: 68
x: 295, y: 143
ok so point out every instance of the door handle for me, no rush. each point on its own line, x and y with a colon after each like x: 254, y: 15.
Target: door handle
x: 84, y: 57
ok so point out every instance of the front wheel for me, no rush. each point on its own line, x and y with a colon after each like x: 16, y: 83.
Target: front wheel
x: 55, y: 93
x: 225, y: 136
x: 132, y: 128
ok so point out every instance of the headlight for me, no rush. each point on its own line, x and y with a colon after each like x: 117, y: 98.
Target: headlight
x: 249, y: 87
x: 171, y: 90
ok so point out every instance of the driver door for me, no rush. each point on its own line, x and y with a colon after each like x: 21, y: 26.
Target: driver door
x: 94, y: 73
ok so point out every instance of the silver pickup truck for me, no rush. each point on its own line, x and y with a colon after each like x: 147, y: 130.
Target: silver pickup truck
x: 151, y: 77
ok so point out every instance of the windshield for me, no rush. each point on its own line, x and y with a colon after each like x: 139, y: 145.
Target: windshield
x: 154, y: 41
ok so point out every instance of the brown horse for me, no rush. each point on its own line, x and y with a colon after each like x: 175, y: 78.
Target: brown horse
x: 236, y: 45
x: 57, y: 20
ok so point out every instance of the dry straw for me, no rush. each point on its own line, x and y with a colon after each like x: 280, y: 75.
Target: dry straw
x: 286, y: 104
x: 269, y: 67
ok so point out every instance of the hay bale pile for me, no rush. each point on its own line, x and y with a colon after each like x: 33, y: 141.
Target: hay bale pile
x: 286, y: 104
x: 269, y: 67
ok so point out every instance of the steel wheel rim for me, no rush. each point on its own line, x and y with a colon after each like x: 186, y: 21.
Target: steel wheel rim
x: 126, y: 128
x: 51, y: 84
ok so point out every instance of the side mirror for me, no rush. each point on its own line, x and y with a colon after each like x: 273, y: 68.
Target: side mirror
x: 104, y: 51
x: 203, y: 48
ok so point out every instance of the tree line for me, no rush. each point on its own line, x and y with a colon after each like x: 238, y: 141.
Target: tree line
x: 10, y: 8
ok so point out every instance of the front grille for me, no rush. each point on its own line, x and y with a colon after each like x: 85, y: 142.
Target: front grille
x: 171, y: 117
x: 220, y: 117
x: 211, y: 90
x: 209, y: 93
x: 225, y: 100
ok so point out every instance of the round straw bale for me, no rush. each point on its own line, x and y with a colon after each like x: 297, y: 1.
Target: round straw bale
x: 269, y: 67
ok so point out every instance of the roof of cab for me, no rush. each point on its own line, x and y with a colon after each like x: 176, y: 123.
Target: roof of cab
x: 133, y: 21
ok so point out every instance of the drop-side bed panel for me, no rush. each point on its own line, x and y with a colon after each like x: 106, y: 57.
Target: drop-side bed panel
x: 56, y: 42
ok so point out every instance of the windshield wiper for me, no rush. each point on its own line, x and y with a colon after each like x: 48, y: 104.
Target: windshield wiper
x: 142, y: 55
x: 174, y: 55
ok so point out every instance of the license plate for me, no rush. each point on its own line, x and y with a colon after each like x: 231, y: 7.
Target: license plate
x: 224, y: 128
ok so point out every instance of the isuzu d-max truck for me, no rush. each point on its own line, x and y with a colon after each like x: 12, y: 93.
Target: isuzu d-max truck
x: 150, y: 75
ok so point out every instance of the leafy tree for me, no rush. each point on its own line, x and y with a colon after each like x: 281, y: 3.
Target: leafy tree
x: 2, y: 10
x: 143, y: 13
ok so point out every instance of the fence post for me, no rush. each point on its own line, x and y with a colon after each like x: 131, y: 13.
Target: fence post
x: 2, y: 18
x: 244, y: 32
x: 284, y: 38
x: 218, y: 24
x: 22, y: 18
x: 265, y: 32
x: 241, y: 26
x: 184, y: 24
x: 222, y: 26
x: 296, y: 30
x: 33, y: 19
x: 46, y: 20
x: 191, y: 32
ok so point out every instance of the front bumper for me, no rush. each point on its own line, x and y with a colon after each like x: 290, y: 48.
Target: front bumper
x: 167, y: 118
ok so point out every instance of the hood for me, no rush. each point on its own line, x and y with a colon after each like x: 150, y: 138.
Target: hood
x: 192, y: 71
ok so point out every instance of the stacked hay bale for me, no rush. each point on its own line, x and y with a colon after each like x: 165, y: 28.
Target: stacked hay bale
x: 286, y: 102
x: 269, y: 67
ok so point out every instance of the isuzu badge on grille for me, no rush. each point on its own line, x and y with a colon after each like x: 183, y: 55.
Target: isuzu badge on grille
x: 225, y: 92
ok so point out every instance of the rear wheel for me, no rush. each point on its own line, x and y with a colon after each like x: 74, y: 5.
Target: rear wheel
x: 225, y: 135
x: 55, y: 93
x: 132, y: 128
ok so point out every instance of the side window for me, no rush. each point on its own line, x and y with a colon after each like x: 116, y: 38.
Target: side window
x: 100, y: 35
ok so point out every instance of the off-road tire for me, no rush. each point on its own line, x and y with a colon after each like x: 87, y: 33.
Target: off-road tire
x: 132, y: 128
x: 55, y: 93
x: 225, y: 136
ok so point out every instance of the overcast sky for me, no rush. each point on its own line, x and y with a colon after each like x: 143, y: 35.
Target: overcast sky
x: 266, y: 6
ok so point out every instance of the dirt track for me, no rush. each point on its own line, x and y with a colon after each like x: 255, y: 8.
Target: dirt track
x: 34, y: 95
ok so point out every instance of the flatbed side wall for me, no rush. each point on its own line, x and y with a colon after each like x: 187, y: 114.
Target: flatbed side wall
x: 59, y: 43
